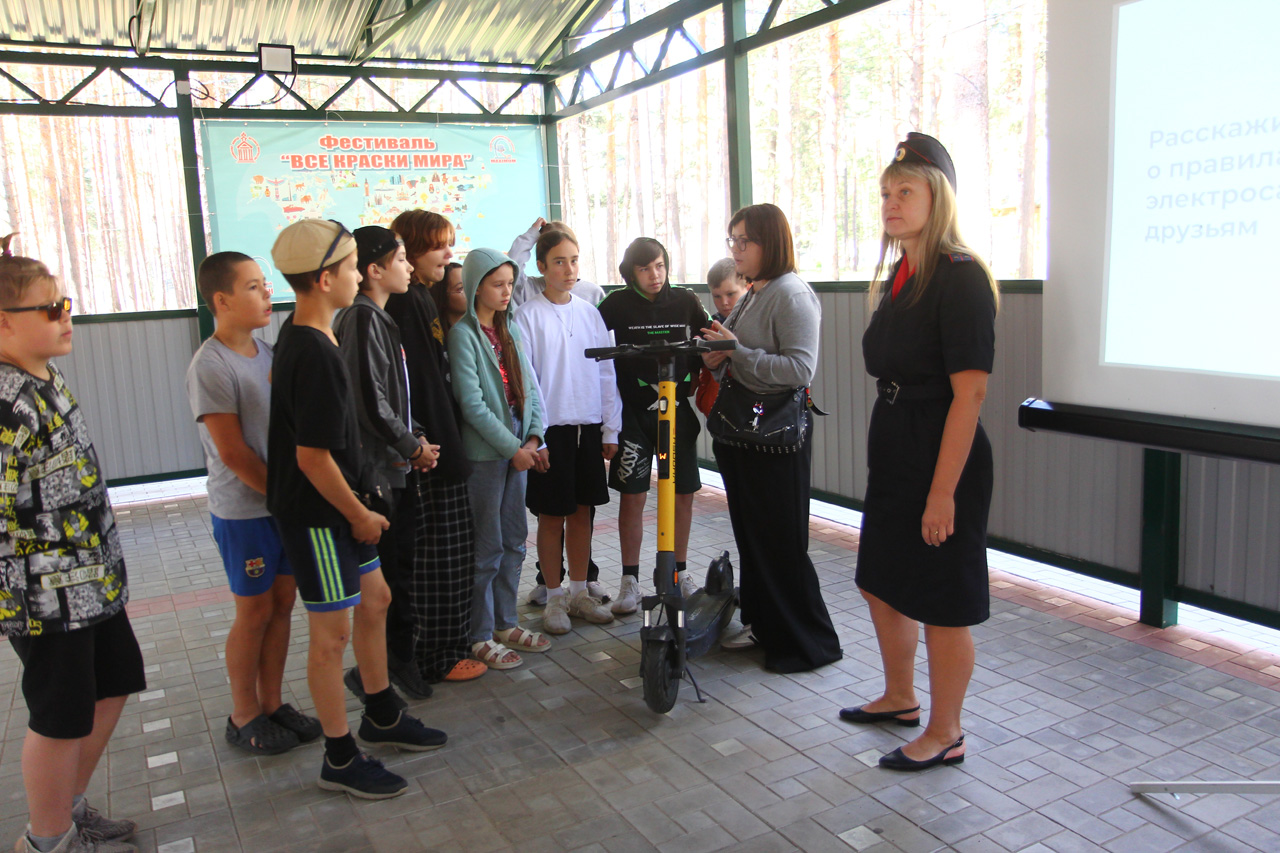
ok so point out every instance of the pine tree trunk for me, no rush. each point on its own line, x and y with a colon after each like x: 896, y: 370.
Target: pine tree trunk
x: 611, y: 166
x: 1027, y: 205
x: 829, y: 122
x: 786, y: 147
x: 970, y: 140
x: 916, y: 91
x: 633, y: 148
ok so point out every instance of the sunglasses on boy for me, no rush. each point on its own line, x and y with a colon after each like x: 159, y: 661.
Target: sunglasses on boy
x: 54, y: 310
x: 342, y: 232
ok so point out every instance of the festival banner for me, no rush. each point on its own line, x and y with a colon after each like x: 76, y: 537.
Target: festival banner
x: 262, y: 175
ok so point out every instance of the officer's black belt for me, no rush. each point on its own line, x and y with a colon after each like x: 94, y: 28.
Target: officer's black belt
x: 892, y: 392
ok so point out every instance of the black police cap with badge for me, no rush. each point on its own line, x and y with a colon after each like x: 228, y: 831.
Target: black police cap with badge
x: 922, y: 148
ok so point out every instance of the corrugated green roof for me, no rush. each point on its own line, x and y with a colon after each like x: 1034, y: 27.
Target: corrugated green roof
x: 505, y: 31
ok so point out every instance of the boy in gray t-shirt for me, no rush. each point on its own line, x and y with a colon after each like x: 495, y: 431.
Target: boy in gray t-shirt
x: 229, y: 388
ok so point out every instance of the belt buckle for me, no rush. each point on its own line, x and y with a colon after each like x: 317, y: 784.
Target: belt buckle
x: 895, y: 387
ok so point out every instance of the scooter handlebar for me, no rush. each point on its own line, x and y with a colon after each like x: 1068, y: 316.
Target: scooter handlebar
x: 691, y: 347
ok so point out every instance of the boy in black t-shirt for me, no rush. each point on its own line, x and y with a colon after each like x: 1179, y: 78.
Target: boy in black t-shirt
x: 315, y: 489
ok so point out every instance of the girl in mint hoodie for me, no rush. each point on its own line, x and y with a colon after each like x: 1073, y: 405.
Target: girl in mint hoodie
x: 502, y: 433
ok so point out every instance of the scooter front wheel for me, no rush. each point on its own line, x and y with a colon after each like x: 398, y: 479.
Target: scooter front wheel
x: 661, y: 679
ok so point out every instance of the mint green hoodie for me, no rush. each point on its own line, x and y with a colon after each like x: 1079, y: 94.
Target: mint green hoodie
x: 477, y: 380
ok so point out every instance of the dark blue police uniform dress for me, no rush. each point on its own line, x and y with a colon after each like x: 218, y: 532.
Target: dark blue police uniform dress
x: 918, y: 347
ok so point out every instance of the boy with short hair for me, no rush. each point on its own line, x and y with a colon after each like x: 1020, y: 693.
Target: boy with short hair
x: 317, y: 494
x: 229, y: 388
x: 63, y: 587
x: 726, y: 287
x: 370, y: 344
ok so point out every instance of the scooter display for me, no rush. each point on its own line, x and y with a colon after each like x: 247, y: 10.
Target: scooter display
x: 675, y: 629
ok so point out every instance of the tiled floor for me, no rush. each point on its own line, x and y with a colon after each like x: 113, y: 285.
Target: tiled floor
x: 1071, y: 701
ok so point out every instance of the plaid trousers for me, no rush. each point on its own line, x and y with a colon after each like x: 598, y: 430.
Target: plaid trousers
x: 444, y: 566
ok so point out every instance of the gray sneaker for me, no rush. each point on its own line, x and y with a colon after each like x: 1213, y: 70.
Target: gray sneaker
x: 96, y: 825
x: 555, y: 619
x: 76, y: 841
x: 629, y: 594
x: 688, y: 586
x: 539, y: 595
x: 583, y: 606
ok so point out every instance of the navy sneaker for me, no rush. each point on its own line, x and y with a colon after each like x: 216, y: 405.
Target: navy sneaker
x: 352, y: 679
x: 406, y: 732
x: 362, y: 776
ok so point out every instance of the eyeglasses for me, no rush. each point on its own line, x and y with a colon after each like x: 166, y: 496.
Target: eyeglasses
x: 738, y: 243
x: 342, y: 232
x: 54, y: 310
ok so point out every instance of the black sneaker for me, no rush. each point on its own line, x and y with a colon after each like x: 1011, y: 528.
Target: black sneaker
x: 406, y: 732
x: 352, y: 679
x: 362, y: 776
x: 288, y: 717
x: 408, y: 679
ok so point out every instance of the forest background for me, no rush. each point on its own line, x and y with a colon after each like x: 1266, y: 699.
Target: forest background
x: 102, y: 199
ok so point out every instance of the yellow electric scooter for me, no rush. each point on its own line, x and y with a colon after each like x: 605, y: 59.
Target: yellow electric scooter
x: 675, y: 628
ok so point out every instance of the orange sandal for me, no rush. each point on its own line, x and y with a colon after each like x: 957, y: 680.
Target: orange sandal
x: 465, y: 670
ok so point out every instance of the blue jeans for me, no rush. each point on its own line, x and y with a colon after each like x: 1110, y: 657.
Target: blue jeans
x: 497, y: 506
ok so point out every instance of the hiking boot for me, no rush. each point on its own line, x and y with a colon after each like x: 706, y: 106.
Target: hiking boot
x: 406, y: 732
x: 362, y: 776
x: 628, y: 600
x: 555, y: 619
x: 583, y: 606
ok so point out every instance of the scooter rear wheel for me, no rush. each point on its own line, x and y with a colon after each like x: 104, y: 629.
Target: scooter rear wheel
x: 661, y: 682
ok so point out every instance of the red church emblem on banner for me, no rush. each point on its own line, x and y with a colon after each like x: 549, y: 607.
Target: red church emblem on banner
x: 245, y: 149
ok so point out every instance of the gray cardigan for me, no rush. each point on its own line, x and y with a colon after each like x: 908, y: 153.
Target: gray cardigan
x: 777, y: 330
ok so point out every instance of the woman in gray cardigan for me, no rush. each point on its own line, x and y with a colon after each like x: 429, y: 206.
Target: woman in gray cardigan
x: 776, y: 325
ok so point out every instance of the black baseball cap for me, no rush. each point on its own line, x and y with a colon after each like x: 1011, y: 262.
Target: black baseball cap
x: 372, y: 242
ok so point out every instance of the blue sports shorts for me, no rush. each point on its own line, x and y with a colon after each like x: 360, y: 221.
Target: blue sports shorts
x: 252, y: 553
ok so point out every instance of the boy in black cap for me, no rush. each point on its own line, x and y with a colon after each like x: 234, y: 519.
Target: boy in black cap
x: 316, y: 493
x: 393, y: 443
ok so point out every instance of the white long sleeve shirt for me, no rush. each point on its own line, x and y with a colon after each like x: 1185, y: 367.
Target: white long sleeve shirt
x: 575, y: 390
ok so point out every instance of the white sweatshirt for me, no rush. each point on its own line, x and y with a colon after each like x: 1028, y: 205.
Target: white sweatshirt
x: 575, y: 390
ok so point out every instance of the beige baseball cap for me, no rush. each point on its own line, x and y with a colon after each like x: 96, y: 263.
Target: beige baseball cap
x: 309, y: 245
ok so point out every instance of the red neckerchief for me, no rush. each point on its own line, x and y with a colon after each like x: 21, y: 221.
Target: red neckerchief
x: 900, y: 279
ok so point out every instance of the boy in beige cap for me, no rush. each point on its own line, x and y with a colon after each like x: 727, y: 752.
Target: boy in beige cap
x: 318, y: 490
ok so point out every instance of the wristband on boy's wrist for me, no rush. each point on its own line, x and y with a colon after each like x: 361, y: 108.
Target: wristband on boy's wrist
x: 415, y: 454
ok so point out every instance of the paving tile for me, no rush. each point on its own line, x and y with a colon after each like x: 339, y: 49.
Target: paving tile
x: 1071, y: 699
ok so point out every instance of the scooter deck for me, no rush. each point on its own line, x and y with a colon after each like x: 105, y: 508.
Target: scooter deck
x: 706, y: 617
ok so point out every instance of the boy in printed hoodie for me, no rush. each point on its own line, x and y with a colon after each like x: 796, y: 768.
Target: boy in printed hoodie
x: 502, y: 432
x: 650, y: 309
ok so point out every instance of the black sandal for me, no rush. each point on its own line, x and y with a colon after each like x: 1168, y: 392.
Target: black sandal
x: 261, y: 736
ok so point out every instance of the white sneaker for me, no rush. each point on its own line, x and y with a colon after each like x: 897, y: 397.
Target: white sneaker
x: 583, y: 606
x: 539, y: 595
x: 555, y: 619
x: 744, y: 639
x: 597, y: 592
x: 629, y: 594
x: 688, y: 586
